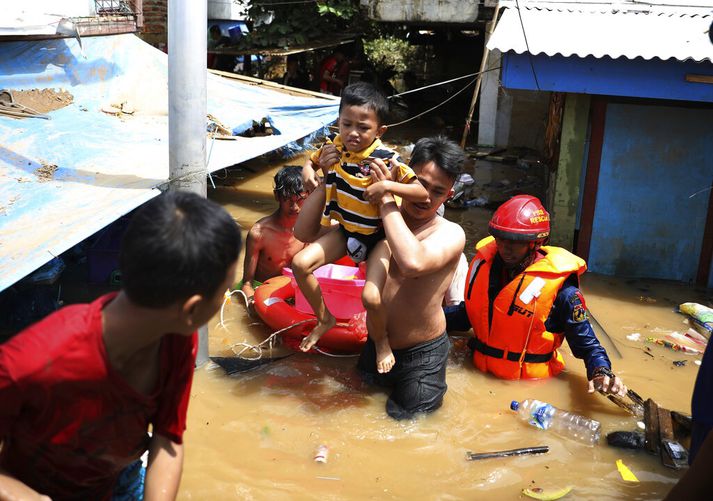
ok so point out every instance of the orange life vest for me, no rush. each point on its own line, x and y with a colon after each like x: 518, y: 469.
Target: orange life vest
x: 517, y: 345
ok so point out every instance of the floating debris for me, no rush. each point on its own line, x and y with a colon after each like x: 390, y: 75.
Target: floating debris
x: 634, y: 336
x: 673, y: 346
x: 702, y: 316
x: 647, y: 299
x: 625, y: 472
x: 473, y: 456
x: 547, y: 495
x: 626, y: 439
x: 321, y: 454
x: 696, y: 337
x: 679, y: 363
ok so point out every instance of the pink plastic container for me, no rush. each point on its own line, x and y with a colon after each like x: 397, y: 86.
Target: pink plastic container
x: 341, y: 288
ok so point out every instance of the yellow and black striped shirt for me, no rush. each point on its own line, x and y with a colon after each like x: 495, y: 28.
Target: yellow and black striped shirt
x: 347, y: 180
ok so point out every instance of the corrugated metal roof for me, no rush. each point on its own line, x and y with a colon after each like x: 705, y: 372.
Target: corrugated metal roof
x: 599, y: 30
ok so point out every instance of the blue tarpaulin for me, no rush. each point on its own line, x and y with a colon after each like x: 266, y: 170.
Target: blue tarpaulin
x: 63, y: 179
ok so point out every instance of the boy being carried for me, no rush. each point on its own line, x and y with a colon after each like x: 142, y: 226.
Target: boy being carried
x: 351, y: 190
x: 271, y: 242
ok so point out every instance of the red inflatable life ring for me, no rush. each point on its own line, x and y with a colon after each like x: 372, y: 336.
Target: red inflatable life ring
x: 272, y: 307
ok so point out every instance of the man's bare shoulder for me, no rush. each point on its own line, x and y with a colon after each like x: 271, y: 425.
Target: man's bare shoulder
x: 264, y: 225
x: 444, y: 229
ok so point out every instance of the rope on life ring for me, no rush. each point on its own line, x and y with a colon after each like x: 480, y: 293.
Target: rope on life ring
x: 270, y: 340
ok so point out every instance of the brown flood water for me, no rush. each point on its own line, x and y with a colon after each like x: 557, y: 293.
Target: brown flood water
x: 254, y: 435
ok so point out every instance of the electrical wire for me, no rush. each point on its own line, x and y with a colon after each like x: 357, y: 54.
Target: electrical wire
x: 442, y: 83
x: 433, y: 108
x: 527, y: 45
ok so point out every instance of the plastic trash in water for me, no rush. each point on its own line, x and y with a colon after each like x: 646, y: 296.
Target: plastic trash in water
x: 547, y: 494
x: 702, y: 316
x: 546, y: 416
x: 625, y: 472
x: 321, y: 454
x: 476, y: 202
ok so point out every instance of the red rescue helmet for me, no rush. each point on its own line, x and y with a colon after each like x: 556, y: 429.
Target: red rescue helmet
x: 521, y: 218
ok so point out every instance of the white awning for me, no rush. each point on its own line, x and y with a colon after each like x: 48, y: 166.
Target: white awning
x: 605, y: 30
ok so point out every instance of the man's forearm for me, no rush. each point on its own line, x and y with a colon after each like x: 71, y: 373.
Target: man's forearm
x: 412, y: 191
x: 12, y: 489
x: 405, y: 247
x: 585, y: 345
x: 163, y: 474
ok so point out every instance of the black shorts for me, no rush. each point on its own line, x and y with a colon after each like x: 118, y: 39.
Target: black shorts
x: 418, y: 378
x: 359, y: 246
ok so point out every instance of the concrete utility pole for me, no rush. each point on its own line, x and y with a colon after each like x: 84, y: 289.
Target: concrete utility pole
x: 483, y: 66
x: 187, y: 74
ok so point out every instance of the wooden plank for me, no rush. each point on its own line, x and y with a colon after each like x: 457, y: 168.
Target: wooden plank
x: 690, y: 77
x: 665, y: 424
x: 665, y: 435
x: 682, y: 424
x: 651, y: 422
x: 591, y: 180
x: 571, y: 154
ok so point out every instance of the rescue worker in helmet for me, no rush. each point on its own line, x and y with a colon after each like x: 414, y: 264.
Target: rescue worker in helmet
x: 522, y: 300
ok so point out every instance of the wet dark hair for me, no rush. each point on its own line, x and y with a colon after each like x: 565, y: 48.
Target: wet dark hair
x: 288, y: 182
x: 365, y: 94
x: 177, y: 245
x: 442, y: 151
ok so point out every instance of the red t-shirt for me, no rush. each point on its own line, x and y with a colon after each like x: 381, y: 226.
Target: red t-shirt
x: 329, y: 66
x: 69, y: 422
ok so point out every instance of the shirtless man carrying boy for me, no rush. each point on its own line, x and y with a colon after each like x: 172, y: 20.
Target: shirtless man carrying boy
x: 425, y: 249
x: 345, y: 162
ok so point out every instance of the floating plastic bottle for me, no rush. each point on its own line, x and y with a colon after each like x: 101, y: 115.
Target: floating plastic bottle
x: 548, y: 417
x: 321, y: 454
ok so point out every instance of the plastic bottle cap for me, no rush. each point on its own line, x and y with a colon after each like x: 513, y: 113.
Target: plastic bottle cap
x: 514, y: 405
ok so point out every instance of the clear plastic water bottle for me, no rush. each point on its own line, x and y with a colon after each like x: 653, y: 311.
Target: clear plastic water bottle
x: 548, y: 417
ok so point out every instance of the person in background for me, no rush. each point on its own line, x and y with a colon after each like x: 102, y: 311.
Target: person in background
x: 329, y: 74
x: 522, y: 300
x: 697, y: 483
x: 221, y: 62
x: 80, y: 388
x: 271, y: 243
x: 294, y: 75
x: 456, y: 291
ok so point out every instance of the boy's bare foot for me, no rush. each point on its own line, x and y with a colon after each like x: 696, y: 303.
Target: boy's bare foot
x: 309, y: 341
x: 384, y: 356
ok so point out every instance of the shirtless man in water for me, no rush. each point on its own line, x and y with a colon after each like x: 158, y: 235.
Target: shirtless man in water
x: 425, y: 251
x: 271, y: 243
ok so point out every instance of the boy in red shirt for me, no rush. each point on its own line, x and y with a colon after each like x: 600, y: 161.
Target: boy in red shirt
x: 80, y: 388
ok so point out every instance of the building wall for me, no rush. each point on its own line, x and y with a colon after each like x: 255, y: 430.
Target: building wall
x: 647, y: 220
x: 528, y: 119
x: 155, y: 30
x: 428, y: 11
